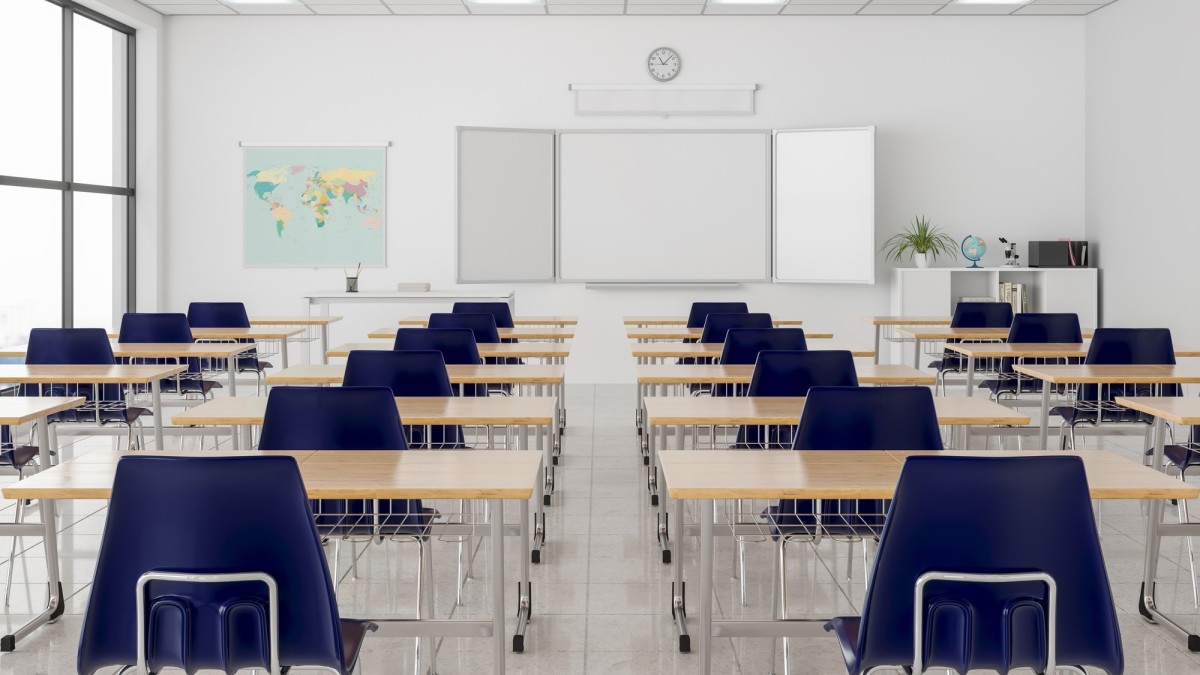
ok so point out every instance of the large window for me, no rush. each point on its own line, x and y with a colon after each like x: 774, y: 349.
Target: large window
x: 66, y: 168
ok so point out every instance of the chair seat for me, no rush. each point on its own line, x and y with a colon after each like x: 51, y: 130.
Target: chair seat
x: 19, y: 456
x: 1010, y: 386
x: 1072, y: 416
x: 845, y: 629
x: 127, y: 415
x: 1182, y: 457
x: 353, y: 631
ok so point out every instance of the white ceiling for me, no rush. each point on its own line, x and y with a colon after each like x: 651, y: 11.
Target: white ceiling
x: 631, y: 7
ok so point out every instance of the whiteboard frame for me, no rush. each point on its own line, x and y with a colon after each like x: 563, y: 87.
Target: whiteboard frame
x: 553, y: 278
x: 769, y: 225
x: 774, y: 204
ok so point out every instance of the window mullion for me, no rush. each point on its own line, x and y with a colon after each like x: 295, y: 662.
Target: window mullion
x: 68, y: 168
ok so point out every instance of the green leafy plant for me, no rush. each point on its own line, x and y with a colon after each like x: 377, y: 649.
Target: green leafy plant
x: 919, y: 237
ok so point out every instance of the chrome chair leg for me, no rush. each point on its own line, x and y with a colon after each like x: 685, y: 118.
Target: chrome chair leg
x: 775, y: 576
x: 427, y: 598
x: 783, y: 610
x: 1183, y: 518
x: 741, y: 556
x: 420, y: 604
x: 12, y: 553
x: 337, y: 557
x: 353, y: 560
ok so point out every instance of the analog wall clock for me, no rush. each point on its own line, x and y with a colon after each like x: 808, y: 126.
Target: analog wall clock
x: 663, y: 64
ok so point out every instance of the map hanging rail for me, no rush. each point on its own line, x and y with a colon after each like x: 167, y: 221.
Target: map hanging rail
x: 314, y: 144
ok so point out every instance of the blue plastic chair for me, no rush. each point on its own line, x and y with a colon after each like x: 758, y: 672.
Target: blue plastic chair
x: 793, y: 373
x: 228, y: 315
x: 700, y: 311
x: 162, y: 518
x: 742, y: 345
x: 987, y: 516
x: 717, y: 325
x: 1033, y: 328
x: 483, y: 326
x: 407, y: 373
x: 1094, y: 404
x: 457, y: 346
x: 500, y: 310
x: 167, y: 329
x: 971, y: 315
x: 81, y: 346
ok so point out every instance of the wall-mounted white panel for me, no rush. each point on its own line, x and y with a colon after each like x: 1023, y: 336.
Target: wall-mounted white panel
x: 505, y: 205
x: 664, y: 205
x: 825, y: 205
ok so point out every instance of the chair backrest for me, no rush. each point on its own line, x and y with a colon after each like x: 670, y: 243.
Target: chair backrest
x: 165, y: 516
x: 331, y: 418
x: 982, y: 315
x: 868, y: 418
x: 793, y: 373
x: 717, y: 325
x: 405, y: 373
x: 742, y: 345
x: 996, y: 516
x: 146, y: 327
x: 1131, y: 346
x: 71, y: 346
x: 218, y: 315
x: 1045, y: 327
x: 457, y: 345
x: 500, y: 310
x: 700, y: 311
x: 483, y: 325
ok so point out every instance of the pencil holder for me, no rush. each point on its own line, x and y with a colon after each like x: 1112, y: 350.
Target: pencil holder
x: 351, y: 284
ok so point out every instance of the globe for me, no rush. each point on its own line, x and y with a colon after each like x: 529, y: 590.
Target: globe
x: 973, y: 249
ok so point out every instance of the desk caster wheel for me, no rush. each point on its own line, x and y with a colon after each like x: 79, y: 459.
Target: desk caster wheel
x: 653, y: 500
x: 645, y: 461
x: 666, y: 557
x: 554, y: 460
x: 685, y: 644
x: 535, y: 557
x: 545, y: 500
x: 518, y: 643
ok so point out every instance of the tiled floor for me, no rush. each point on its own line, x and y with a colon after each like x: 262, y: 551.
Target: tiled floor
x: 601, y: 596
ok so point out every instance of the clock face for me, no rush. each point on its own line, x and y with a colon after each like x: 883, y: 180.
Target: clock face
x: 663, y: 64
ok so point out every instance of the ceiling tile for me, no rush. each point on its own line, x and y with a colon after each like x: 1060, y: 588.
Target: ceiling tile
x: 663, y: 9
x: 310, y: 3
x: 191, y: 9
x: 795, y: 8
x: 585, y: 9
x: 456, y: 8
x: 856, y: 3
x: 1057, y: 9
x: 742, y: 8
x: 898, y: 9
x: 998, y: 9
x: 507, y: 9
x: 618, y: 3
x: 345, y: 9
x: 182, y: 2
x: 272, y: 9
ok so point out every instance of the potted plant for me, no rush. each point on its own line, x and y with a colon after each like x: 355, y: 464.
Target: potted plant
x: 920, y: 241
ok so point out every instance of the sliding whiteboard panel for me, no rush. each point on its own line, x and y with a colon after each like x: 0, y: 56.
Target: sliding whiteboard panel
x: 505, y: 205
x: 825, y: 205
x: 665, y: 206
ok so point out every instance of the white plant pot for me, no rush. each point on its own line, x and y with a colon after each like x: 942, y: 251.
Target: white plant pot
x: 922, y: 260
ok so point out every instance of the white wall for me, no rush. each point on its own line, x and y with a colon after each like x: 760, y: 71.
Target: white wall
x: 980, y: 128
x: 1143, y: 160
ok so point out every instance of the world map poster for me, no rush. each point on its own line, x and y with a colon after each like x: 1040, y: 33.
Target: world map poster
x: 314, y: 206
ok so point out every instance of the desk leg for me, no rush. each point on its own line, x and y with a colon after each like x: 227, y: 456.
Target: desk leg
x: 541, y: 500
x: 524, y: 599
x: 1044, y: 430
x: 707, y: 508
x: 55, y: 603
x: 235, y: 439
x: 878, y: 332
x: 324, y: 342
x: 917, y: 353
x: 283, y: 352
x: 247, y: 432
x: 231, y: 373
x: 156, y: 399
x: 970, y: 376
x: 497, y: 560
x: 678, y: 587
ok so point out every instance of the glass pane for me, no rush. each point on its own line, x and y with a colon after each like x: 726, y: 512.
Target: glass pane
x: 99, y: 108
x: 31, y: 102
x: 99, y: 259
x: 31, y: 273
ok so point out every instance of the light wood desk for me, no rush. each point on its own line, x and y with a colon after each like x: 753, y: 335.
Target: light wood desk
x: 553, y: 320
x: 97, y: 375
x: 551, y: 334
x: 498, y: 477
x: 550, y: 352
x: 941, y: 334
x: 709, y: 476
x: 166, y: 350
x: 685, y: 333
x: 888, y: 324
x: 16, y: 410
x: 668, y: 320
x: 320, y: 323
x: 1018, y: 350
x: 255, y: 333
x: 1102, y: 374
x: 650, y: 353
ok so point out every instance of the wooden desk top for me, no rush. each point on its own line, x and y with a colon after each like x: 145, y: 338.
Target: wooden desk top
x: 22, y: 409
x: 864, y: 474
x: 682, y: 321
x: 436, y: 410
x: 118, y: 374
x: 159, y: 350
x: 947, y: 333
x: 293, y: 320
x: 987, y: 350
x: 519, y: 333
x: 685, y: 333
x: 487, y: 350
x: 682, y: 350
x: 755, y: 410
x: 740, y: 374
x: 1177, y: 409
x: 907, y: 320
x: 333, y: 474
x: 252, y: 333
x: 552, y: 320
x: 332, y: 373
x: 1111, y: 374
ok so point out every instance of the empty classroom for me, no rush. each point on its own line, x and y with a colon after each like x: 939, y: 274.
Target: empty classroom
x: 566, y: 337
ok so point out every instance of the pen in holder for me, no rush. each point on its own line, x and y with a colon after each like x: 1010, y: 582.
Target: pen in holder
x: 352, y: 281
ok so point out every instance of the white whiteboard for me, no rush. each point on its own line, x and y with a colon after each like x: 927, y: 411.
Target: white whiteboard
x: 664, y: 206
x: 825, y: 205
x: 505, y: 205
